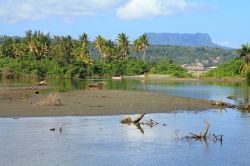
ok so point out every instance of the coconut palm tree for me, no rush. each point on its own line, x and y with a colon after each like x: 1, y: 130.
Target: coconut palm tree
x: 141, y: 44
x: 137, y: 45
x: 63, y: 49
x: 81, y: 49
x: 84, y: 39
x: 110, y: 50
x: 245, y: 53
x: 144, y: 41
x: 100, y: 43
x: 37, y: 43
x: 123, y: 45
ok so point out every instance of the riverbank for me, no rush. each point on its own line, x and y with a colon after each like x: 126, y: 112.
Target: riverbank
x: 93, y: 103
x: 185, y: 79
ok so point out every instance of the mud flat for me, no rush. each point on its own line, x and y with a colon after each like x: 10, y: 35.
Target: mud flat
x: 93, y: 102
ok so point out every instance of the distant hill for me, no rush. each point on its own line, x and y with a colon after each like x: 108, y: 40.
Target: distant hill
x: 177, y: 39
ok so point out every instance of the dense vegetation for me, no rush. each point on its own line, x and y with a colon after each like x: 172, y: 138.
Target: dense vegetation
x: 40, y: 55
x: 188, y: 55
x: 168, y: 67
x: 238, y: 67
x: 228, y: 69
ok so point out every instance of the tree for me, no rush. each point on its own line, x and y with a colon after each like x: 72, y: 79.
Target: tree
x: 81, y: 50
x: 144, y: 45
x: 63, y: 49
x: 245, y: 53
x: 37, y: 43
x: 141, y: 44
x: 110, y: 50
x: 123, y: 45
x: 100, y: 43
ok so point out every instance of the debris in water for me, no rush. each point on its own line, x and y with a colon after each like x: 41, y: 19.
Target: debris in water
x: 231, y: 97
x: 42, y: 83
x: 96, y: 85
x: 52, y: 129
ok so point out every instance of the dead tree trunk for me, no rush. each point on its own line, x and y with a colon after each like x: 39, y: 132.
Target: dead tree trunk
x: 203, y: 134
x: 137, y: 120
x: 205, y: 131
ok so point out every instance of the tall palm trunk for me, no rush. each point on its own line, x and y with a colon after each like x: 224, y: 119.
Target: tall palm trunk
x: 144, y: 55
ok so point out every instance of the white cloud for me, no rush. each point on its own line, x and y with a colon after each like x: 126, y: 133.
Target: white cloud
x: 13, y: 11
x: 140, y: 9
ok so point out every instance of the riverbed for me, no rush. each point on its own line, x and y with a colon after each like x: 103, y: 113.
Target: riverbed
x: 103, y: 140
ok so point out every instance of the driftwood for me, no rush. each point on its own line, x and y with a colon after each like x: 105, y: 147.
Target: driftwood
x: 203, y: 134
x: 231, y: 97
x: 244, y: 107
x: 41, y: 83
x: 128, y: 120
x: 96, y: 85
x: 223, y: 105
x: 139, y: 118
x: 151, y: 123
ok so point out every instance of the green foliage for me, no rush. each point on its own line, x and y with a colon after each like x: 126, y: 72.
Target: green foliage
x: 168, y: 67
x: 228, y: 69
x: 188, y: 55
x: 39, y: 55
x: 135, y: 66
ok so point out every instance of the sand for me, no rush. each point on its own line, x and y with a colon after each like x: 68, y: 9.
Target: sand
x: 93, y: 103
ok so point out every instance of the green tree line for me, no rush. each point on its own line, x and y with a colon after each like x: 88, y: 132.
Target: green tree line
x: 38, y: 55
x: 237, y: 67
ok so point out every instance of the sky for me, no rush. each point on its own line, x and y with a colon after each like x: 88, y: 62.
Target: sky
x: 226, y: 21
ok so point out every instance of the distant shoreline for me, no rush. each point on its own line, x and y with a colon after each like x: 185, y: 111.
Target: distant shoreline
x: 185, y: 79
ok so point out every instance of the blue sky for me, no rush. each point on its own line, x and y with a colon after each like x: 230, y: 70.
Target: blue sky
x: 226, y: 21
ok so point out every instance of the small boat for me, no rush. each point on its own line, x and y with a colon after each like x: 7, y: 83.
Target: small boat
x: 117, y: 78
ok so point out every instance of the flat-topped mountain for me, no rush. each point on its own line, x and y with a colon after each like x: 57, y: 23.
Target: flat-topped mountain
x: 177, y: 39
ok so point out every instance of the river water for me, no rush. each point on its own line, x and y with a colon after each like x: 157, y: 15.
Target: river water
x: 104, y: 141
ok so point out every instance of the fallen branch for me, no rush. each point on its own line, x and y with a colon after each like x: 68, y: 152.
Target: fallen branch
x: 203, y: 134
x: 128, y: 120
x: 139, y: 118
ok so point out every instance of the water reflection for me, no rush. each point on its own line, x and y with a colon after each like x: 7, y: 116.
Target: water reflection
x: 104, y: 141
x: 204, y: 90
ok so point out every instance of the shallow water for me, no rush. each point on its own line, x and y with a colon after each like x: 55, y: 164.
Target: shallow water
x: 200, y: 90
x: 104, y: 141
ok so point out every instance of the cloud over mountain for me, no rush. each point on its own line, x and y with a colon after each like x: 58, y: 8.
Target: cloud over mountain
x: 141, y: 9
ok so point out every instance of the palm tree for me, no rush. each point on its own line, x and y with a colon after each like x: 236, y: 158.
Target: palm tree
x: 83, y: 50
x: 244, y: 52
x: 84, y: 39
x: 141, y: 44
x: 37, y: 43
x: 100, y: 43
x: 63, y: 49
x: 144, y: 44
x: 110, y: 50
x: 137, y: 45
x: 123, y: 44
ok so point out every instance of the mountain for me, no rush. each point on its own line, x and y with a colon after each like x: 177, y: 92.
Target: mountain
x: 177, y: 39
